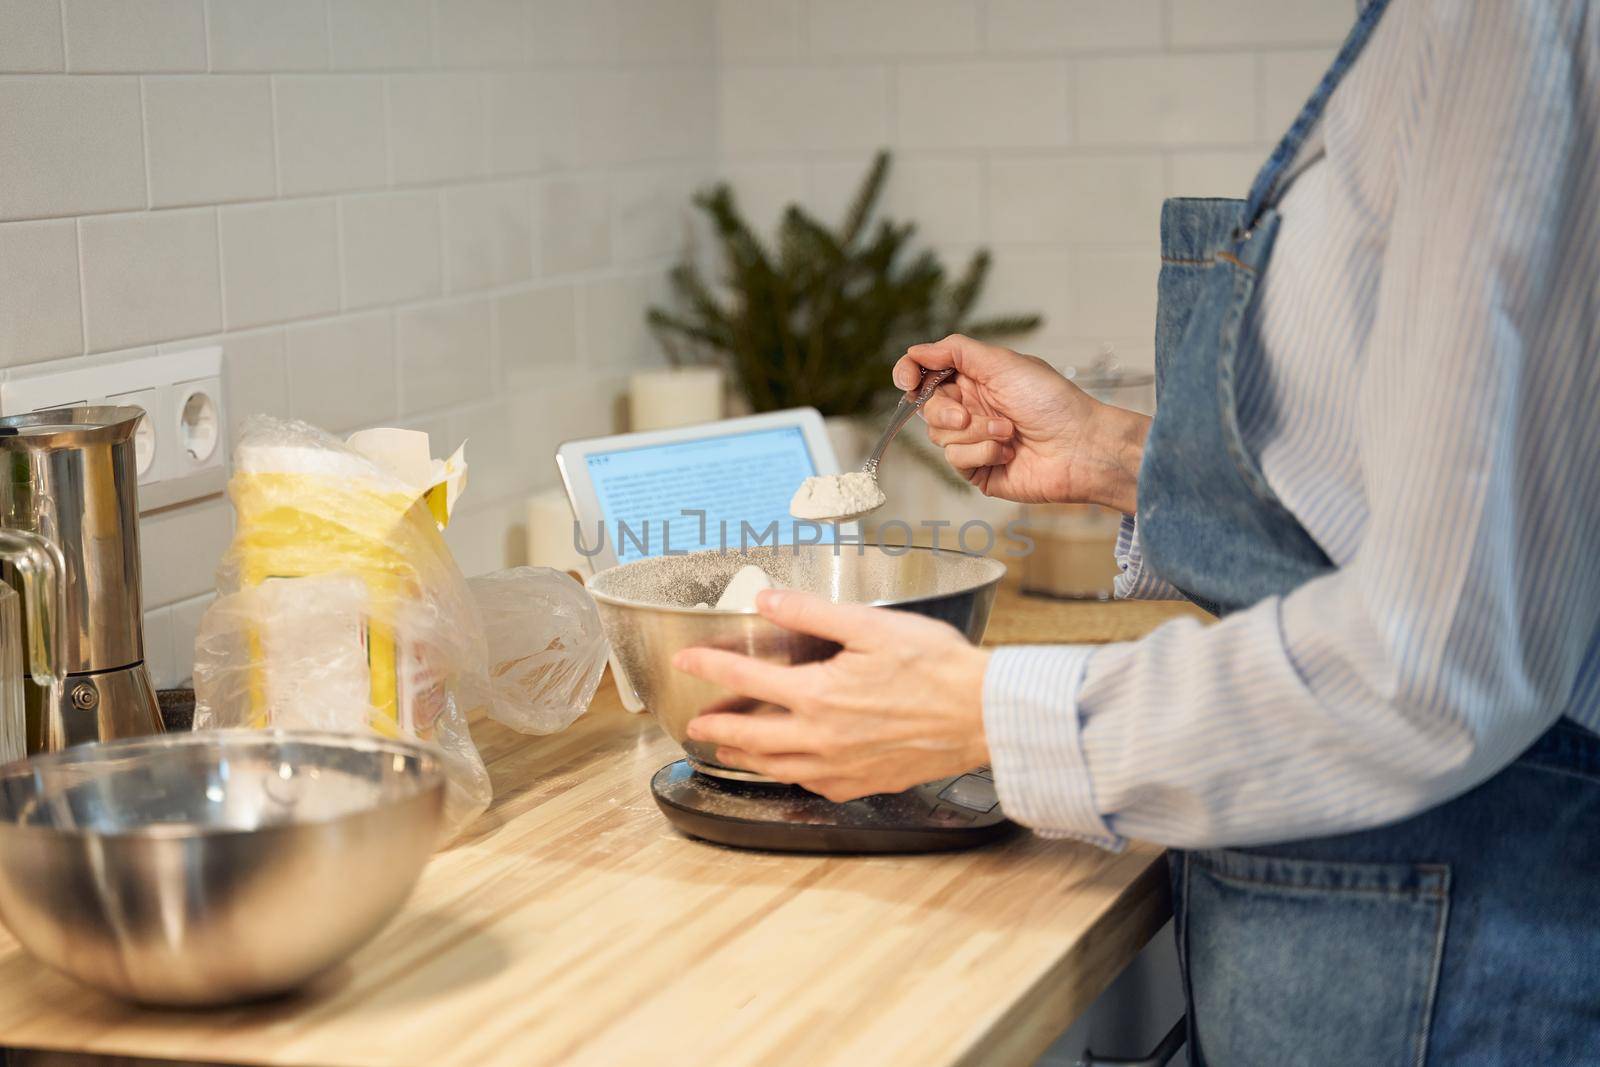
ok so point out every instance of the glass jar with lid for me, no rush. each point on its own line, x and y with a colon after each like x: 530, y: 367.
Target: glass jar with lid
x: 1074, y: 545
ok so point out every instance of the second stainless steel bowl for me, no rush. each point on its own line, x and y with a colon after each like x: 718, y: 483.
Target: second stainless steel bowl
x: 212, y: 867
x: 647, y: 609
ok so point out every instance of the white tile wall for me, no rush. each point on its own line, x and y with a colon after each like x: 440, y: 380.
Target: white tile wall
x: 1069, y: 26
x: 380, y: 34
x: 985, y: 104
x: 134, y: 36
x: 210, y: 139
x: 331, y: 133
x: 488, y: 235
x: 280, y: 261
x: 149, y: 277
x: 270, y: 35
x: 446, y: 354
x: 536, y: 334
x: 341, y: 372
x: 90, y: 128
x: 451, y: 214
x: 30, y: 36
x: 437, y: 127
x: 1167, y: 100
x: 391, y: 246
x: 574, y: 225
x: 39, y: 311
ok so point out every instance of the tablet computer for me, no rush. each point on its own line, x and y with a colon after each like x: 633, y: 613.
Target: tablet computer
x: 713, y: 485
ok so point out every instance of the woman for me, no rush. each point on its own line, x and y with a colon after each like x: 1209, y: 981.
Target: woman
x: 1377, y: 457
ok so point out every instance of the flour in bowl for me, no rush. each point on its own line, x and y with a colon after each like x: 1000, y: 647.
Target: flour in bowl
x: 836, y: 496
x: 740, y: 592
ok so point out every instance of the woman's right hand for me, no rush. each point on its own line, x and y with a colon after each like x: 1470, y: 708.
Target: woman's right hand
x: 1016, y: 428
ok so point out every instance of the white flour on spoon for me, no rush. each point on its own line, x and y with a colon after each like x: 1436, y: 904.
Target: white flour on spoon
x: 836, y: 496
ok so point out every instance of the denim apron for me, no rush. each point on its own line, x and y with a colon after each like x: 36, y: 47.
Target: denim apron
x: 1469, y: 934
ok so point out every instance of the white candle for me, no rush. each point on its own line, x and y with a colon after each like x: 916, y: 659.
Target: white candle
x: 675, y: 396
x: 550, y: 533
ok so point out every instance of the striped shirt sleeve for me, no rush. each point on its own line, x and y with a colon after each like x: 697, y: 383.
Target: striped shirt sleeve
x: 1135, y: 581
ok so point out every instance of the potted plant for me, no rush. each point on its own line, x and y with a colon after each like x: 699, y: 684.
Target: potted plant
x: 820, y: 318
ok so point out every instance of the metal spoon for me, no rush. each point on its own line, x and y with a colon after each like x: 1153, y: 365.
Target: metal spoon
x: 911, y: 402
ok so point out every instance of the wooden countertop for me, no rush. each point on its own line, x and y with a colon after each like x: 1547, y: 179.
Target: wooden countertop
x: 574, y: 926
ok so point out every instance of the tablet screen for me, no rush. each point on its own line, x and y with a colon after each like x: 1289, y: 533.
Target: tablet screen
x: 737, y: 479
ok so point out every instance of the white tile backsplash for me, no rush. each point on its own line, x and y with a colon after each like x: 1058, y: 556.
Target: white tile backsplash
x: 1230, y: 23
x: 574, y: 225
x: 1115, y: 292
x: 574, y: 32
x: 793, y: 109
x: 270, y: 35
x: 180, y: 548
x: 134, y: 36
x: 482, y: 33
x: 437, y: 127
x: 754, y: 30
x: 331, y: 133
x: 149, y: 277
x: 1069, y: 26
x: 893, y: 27
x: 445, y: 354
x: 30, y: 36
x: 649, y: 31
x: 488, y: 235
x: 651, y: 212
x: 1168, y: 100
x: 40, y: 315
x: 279, y: 261
x: 1076, y: 199
x: 380, y: 34
x: 1226, y: 172
x: 986, y: 104
x: 69, y: 146
x: 255, y: 378
x: 611, y: 312
x: 210, y: 139
x: 391, y: 247
x: 342, y: 371
x: 536, y: 334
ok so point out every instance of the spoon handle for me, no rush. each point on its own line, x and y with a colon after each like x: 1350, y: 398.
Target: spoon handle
x: 910, y: 403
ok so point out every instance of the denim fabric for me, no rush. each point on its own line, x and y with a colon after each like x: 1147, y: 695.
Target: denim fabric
x: 1469, y: 934
x: 1466, y: 936
x: 1209, y: 523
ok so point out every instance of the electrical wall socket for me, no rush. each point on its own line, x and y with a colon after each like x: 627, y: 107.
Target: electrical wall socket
x: 180, y: 447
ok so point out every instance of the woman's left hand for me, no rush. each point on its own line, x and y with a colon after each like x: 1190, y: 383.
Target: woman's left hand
x: 899, y: 705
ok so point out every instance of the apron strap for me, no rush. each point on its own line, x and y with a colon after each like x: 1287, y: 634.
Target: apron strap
x: 1266, y: 188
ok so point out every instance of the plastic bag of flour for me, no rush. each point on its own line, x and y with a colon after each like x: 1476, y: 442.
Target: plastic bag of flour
x: 546, y: 648
x: 339, y: 605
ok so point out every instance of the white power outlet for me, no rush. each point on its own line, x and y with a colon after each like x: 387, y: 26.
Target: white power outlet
x: 180, y: 446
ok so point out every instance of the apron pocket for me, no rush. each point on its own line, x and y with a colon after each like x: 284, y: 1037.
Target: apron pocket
x: 1310, y: 962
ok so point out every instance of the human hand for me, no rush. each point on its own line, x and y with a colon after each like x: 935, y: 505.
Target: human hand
x: 1016, y: 428
x: 900, y: 704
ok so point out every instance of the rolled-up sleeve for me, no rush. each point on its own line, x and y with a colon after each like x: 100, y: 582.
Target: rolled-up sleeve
x: 1134, y: 580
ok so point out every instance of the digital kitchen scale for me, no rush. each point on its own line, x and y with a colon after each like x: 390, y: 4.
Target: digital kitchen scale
x: 676, y: 491
x: 955, y: 813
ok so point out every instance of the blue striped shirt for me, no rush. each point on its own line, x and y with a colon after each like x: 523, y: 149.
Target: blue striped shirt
x: 1420, y: 379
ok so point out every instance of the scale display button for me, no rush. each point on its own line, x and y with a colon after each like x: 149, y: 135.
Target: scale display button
x: 971, y: 792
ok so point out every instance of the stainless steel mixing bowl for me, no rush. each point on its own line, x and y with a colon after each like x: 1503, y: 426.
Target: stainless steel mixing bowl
x: 647, y: 609
x: 212, y: 867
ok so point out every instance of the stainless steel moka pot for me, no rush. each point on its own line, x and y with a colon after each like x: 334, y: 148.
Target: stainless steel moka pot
x: 70, y: 515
